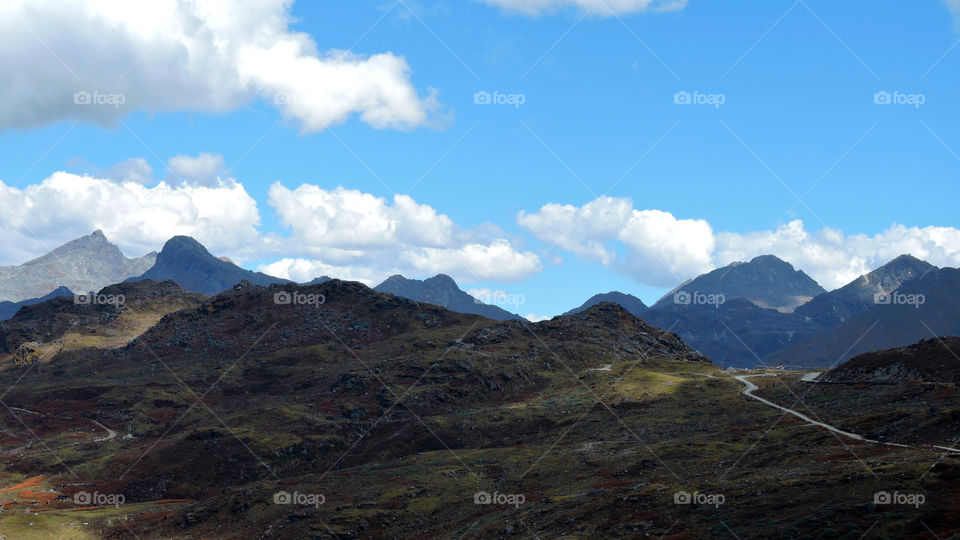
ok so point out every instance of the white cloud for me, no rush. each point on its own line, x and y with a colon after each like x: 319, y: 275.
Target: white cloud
x: 139, y: 219
x: 495, y: 261
x: 660, y: 247
x: 359, y: 233
x: 132, y: 170
x: 341, y: 233
x: 203, y: 170
x: 833, y: 258
x: 303, y: 270
x: 662, y: 251
x: 171, y: 55
x: 583, y: 231
x: 347, y: 218
x: 603, y: 8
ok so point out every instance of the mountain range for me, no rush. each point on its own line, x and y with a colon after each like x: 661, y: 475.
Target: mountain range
x: 403, y: 416
x: 755, y: 313
x: 86, y: 264
x: 746, y: 314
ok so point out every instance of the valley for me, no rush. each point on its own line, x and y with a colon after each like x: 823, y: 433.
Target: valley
x: 376, y: 416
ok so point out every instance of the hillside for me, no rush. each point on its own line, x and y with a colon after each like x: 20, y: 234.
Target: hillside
x: 62, y: 324
x: 905, y: 320
x: 929, y: 360
x: 396, y: 416
x: 736, y: 333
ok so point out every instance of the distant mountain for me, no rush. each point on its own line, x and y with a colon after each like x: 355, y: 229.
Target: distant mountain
x: 631, y: 303
x: 734, y: 333
x: 837, y: 306
x: 930, y: 360
x: 443, y: 291
x: 9, y: 309
x: 189, y: 264
x: 921, y: 308
x: 766, y: 281
x: 317, y: 281
x: 86, y: 264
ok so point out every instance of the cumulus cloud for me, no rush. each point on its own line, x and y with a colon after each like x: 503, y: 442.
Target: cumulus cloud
x: 132, y: 170
x: 204, y: 169
x: 339, y: 232
x: 657, y: 249
x: 139, y: 219
x: 603, y: 8
x: 367, y: 236
x: 97, y: 60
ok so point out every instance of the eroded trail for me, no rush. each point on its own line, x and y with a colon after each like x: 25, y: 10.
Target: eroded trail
x: 749, y: 389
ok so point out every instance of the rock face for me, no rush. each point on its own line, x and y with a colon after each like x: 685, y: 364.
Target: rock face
x: 9, y: 309
x: 930, y: 360
x: 82, y: 265
x: 837, y: 306
x: 443, y: 291
x: 631, y: 303
x: 189, y: 264
x: 767, y: 281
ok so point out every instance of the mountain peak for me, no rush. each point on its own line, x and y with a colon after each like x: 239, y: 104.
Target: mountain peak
x: 631, y: 303
x: 837, y: 306
x: 183, y: 242
x: 88, y: 263
x: 442, y: 279
x: 770, y: 260
x: 187, y: 262
x: 767, y: 281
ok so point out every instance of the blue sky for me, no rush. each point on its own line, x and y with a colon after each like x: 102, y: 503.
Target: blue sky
x: 598, y: 118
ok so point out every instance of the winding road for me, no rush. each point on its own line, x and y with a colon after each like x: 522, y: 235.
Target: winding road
x: 749, y: 389
x: 111, y: 434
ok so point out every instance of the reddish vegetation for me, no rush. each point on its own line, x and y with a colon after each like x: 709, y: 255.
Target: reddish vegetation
x: 41, y: 496
x: 33, y: 481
